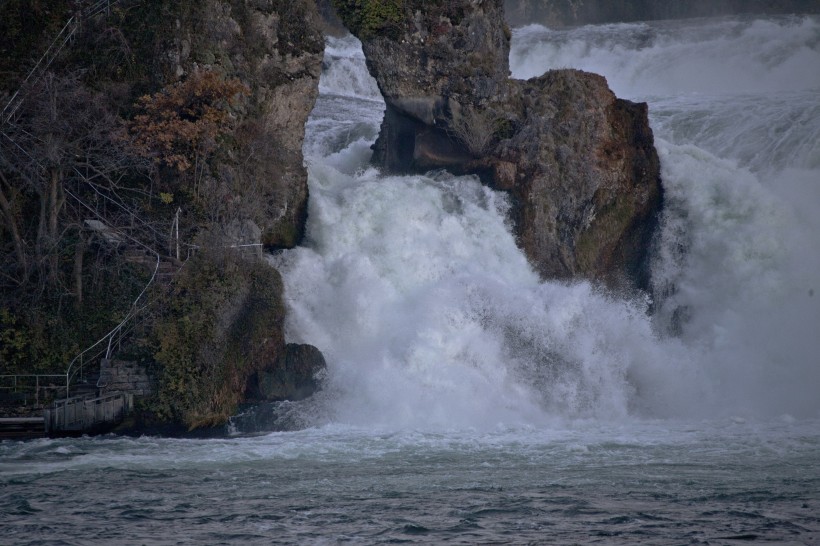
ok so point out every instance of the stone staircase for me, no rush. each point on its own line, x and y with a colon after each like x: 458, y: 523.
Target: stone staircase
x: 87, y: 385
x: 124, y: 376
x: 166, y: 270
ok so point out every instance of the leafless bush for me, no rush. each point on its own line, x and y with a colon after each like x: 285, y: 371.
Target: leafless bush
x: 475, y: 128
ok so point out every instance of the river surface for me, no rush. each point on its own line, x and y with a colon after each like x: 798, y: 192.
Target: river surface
x: 468, y: 402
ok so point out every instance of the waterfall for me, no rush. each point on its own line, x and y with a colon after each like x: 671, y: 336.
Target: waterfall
x: 431, y: 317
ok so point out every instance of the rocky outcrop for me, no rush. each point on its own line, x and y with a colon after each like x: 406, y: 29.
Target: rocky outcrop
x: 578, y: 163
x: 275, y: 48
x: 586, y: 185
x: 295, y: 376
x: 221, y: 343
x: 219, y: 320
x: 562, y: 13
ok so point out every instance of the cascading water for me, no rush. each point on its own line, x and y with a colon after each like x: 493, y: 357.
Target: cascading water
x: 735, y: 105
x: 430, y: 316
x: 468, y: 402
x: 427, y: 312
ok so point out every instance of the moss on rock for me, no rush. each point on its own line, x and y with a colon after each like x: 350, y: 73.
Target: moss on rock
x: 368, y: 18
x: 223, y: 324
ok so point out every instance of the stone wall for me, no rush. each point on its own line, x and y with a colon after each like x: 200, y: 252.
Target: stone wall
x: 125, y: 376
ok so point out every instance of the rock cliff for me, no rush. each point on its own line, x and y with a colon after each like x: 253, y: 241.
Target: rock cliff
x: 188, y: 114
x: 274, y: 47
x: 578, y: 163
x: 220, y: 341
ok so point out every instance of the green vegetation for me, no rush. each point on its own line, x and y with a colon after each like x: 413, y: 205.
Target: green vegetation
x: 42, y: 335
x: 386, y: 18
x: 369, y: 18
x: 222, y: 325
x: 141, y: 117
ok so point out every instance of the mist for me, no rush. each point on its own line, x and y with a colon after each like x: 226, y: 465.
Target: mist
x: 568, y: 13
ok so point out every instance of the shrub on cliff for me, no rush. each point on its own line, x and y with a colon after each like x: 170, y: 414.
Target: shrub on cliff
x: 476, y: 129
x: 180, y: 124
x: 223, y: 323
x: 368, y: 18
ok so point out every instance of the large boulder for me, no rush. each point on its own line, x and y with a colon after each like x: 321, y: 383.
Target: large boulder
x: 578, y: 163
x: 586, y: 184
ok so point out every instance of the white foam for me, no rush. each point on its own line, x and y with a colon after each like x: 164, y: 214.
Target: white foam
x: 674, y: 58
x: 430, y: 317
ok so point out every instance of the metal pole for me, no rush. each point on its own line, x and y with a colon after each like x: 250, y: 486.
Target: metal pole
x: 171, y: 235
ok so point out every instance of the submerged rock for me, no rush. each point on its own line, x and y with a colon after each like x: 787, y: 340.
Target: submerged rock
x: 578, y: 163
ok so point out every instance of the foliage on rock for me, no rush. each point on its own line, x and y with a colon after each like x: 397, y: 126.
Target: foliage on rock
x: 180, y: 124
x: 476, y: 129
x: 368, y: 18
x: 226, y: 88
x: 223, y: 324
x: 61, y: 287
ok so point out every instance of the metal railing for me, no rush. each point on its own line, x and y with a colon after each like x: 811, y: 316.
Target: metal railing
x: 22, y: 384
x: 55, y: 47
x: 112, y: 339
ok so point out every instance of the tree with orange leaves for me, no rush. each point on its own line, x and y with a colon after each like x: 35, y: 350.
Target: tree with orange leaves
x: 180, y: 124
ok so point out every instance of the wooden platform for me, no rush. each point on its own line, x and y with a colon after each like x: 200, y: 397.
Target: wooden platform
x: 22, y: 428
x: 86, y: 414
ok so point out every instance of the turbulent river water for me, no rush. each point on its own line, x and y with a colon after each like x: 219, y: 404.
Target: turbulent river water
x: 466, y: 401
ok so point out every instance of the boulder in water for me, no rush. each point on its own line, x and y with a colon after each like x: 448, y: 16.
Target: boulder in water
x: 578, y: 163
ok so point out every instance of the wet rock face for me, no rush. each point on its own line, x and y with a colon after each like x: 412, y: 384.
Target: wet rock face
x: 579, y: 164
x: 586, y: 191
x: 447, y: 54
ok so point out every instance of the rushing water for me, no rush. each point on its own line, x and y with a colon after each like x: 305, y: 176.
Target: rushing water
x: 467, y: 401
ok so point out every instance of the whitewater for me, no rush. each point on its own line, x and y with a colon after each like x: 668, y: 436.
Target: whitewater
x: 468, y: 401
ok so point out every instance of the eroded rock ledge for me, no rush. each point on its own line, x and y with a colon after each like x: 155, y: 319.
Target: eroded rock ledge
x: 578, y: 163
